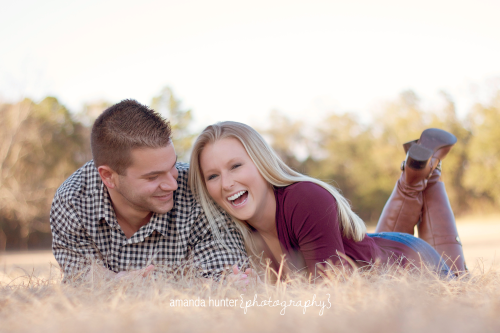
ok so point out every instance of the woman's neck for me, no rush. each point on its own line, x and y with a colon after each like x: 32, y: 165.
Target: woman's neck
x: 265, y: 222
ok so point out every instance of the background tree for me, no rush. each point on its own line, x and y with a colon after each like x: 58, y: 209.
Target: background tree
x: 287, y: 139
x: 348, y: 151
x: 363, y: 160
x: 170, y: 107
x: 482, y: 173
x: 90, y: 112
x: 41, y: 146
x: 455, y: 164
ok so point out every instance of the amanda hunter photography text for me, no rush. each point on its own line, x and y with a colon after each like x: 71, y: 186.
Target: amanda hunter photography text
x: 246, y: 304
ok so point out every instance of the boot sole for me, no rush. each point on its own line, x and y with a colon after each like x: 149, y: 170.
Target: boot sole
x: 433, y: 142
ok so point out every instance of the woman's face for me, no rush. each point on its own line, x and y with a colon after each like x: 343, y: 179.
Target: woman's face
x: 234, y: 182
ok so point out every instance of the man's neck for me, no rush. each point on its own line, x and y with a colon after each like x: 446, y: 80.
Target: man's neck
x: 129, y: 218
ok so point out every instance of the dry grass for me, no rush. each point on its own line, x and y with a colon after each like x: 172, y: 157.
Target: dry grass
x: 393, y: 300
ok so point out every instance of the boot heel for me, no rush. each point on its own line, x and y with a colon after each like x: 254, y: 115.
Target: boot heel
x: 437, y: 139
x: 433, y: 143
x: 407, y: 145
x: 418, y: 157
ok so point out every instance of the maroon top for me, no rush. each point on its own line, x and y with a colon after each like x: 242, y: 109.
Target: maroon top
x: 309, y: 231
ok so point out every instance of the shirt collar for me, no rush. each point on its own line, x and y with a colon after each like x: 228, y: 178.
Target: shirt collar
x: 106, y: 210
x: 160, y: 222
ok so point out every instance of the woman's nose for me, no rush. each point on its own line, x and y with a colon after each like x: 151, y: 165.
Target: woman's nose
x: 227, y: 182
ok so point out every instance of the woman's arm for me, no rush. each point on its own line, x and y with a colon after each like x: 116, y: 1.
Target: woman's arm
x: 310, y: 212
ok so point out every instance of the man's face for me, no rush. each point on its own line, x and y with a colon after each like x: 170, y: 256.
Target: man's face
x: 149, y: 183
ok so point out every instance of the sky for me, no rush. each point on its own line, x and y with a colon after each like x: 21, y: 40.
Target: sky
x: 238, y: 60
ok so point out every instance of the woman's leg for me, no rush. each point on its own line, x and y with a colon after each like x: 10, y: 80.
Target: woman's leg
x: 417, y: 199
x: 437, y: 226
x: 427, y: 253
x: 404, y: 208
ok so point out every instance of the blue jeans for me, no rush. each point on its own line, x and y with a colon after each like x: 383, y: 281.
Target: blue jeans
x: 427, y: 252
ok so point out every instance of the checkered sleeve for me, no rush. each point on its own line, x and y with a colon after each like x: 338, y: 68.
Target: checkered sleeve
x: 210, y: 255
x: 71, y: 245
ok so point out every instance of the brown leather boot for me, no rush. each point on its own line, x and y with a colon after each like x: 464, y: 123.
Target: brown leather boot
x: 432, y: 147
x: 438, y: 227
x: 403, y: 209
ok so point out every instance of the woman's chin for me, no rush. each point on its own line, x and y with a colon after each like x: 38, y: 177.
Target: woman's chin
x: 240, y: 213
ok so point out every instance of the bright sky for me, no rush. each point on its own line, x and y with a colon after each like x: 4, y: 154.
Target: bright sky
x: 237, y: 60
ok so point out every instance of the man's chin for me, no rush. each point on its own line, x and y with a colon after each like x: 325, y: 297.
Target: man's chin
x: 162, y: 209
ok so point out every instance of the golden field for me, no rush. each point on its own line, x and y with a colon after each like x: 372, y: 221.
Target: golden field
x: 33, y: 299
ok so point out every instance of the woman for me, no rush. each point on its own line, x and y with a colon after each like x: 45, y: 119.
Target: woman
x: 282, y: 212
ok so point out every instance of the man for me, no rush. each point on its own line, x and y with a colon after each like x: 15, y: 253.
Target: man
x: 130, y: 207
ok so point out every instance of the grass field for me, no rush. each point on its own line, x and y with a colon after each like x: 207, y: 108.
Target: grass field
x: 33, y: 299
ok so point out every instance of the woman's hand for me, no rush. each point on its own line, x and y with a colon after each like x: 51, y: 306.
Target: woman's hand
x: 241, y: 279
x: 238, y: 279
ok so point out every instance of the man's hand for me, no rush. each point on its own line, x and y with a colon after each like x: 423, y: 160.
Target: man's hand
x: 103, y: 272
x: 144, y: 272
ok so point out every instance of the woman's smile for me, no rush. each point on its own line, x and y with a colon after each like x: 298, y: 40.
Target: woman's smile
x: 238, y: 199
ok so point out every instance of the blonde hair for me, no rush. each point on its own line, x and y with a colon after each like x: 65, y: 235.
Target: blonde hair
x: 271, y: 167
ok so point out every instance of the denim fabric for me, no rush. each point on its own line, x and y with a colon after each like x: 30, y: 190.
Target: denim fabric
x: 427, y: 252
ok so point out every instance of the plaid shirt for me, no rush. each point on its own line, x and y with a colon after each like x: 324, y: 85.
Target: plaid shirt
x: 84, y: 227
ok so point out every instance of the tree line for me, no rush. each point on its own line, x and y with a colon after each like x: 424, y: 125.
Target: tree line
x: 42, y: 143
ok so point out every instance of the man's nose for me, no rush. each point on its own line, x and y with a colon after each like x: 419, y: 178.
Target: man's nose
x: 169, y: 184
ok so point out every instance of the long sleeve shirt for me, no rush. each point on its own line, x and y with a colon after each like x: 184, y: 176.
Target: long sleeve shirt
x: 309, y: 232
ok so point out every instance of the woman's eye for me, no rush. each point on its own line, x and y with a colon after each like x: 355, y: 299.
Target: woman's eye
x: 211, y: 177
x: 237, y: 165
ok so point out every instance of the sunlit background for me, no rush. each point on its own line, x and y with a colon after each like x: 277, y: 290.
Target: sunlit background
x: 240, y: 59
x: 335, y: 86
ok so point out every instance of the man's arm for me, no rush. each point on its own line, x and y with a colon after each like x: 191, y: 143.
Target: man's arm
x: 212, y: 257
x: 71, y: 245
x: 75, y: 251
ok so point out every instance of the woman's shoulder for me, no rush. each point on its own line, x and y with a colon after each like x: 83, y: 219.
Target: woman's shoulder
x: 305, y: 192
x: 304, y: 206
x: 304, y: 187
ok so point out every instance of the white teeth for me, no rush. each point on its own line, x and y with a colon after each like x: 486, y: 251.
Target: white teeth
x: 236, y: 196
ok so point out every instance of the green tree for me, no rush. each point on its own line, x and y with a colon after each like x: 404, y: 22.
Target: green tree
x: 168, y: 105
x: 90, y: 112
x: 286, y: 138
x: 454, y: 165
x: 41, y: 145
x: 482, y: 174
x: 397, y: 122
x: 347, y: 148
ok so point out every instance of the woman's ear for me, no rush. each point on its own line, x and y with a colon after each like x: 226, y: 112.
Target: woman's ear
x: 108, y: 176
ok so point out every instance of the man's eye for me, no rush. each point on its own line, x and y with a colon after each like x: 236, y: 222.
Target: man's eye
x: 152, y: 178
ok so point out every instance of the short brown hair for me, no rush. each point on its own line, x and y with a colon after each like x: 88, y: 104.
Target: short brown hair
x: 122, y: 127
